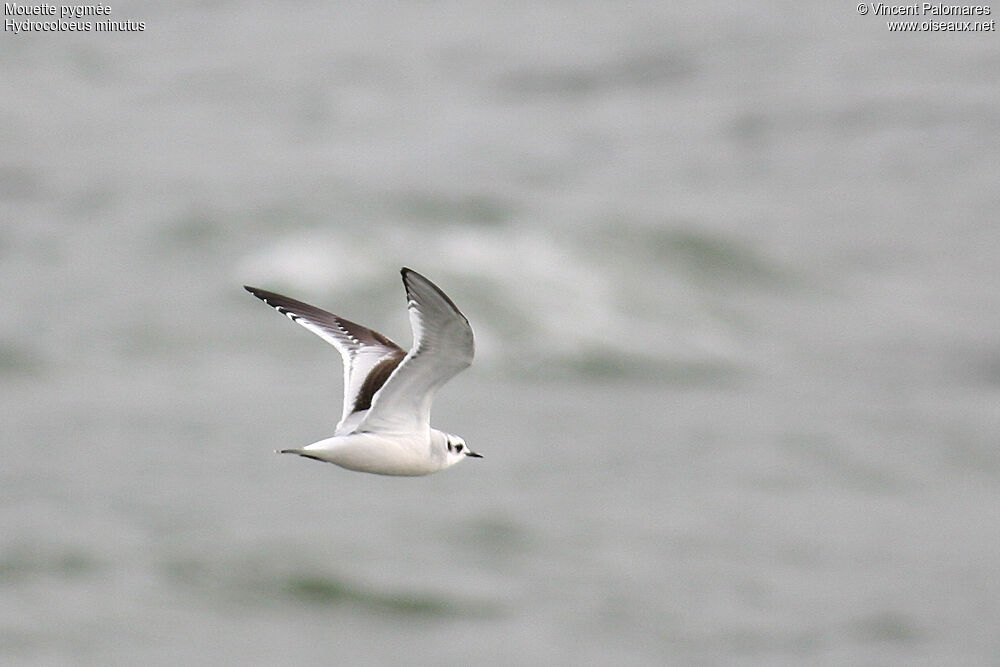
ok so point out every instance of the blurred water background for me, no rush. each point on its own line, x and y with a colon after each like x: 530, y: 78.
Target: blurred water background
x: 733, y: 269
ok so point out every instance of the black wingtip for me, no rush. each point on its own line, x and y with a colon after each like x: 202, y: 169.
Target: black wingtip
x: 410, y: 295
x: 405, y: 273
x: 261, y: 294
x: 257, y: 292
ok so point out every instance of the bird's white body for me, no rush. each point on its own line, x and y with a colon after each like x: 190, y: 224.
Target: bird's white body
x: 410, y: 455
x: 385, y: 424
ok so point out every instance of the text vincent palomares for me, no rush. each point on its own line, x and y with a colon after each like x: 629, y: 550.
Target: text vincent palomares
x: 929, y: 9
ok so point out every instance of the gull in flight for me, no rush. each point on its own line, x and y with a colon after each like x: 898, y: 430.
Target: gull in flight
x: 385, y: 427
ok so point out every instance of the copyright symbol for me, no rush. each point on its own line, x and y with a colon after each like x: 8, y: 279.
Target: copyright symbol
x: 862, y: 9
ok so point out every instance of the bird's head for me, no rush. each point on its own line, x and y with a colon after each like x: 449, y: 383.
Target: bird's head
x: 457, y: 450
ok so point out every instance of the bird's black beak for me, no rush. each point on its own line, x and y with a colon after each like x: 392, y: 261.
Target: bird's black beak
x: 474, y: 455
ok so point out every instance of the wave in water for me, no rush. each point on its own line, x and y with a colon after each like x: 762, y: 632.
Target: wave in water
x: 616, y: 302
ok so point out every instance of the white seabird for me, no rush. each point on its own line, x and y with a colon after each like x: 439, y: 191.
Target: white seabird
x: 385, y: 426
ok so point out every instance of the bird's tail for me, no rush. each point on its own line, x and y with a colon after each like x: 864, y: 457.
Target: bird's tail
x: 301, y: 452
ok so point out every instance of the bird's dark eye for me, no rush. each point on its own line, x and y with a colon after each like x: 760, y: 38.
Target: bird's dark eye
x: 449, y: 445
x: 458, y: 448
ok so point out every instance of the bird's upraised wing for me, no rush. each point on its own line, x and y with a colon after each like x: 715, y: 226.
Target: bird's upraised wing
x: 442, y: 346
x: 369, y: 357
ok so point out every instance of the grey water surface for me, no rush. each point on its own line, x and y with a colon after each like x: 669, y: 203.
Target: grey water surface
x: 733, y: 270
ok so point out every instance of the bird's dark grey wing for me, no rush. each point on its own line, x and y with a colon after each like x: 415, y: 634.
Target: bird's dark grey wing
x: 369, y: 357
